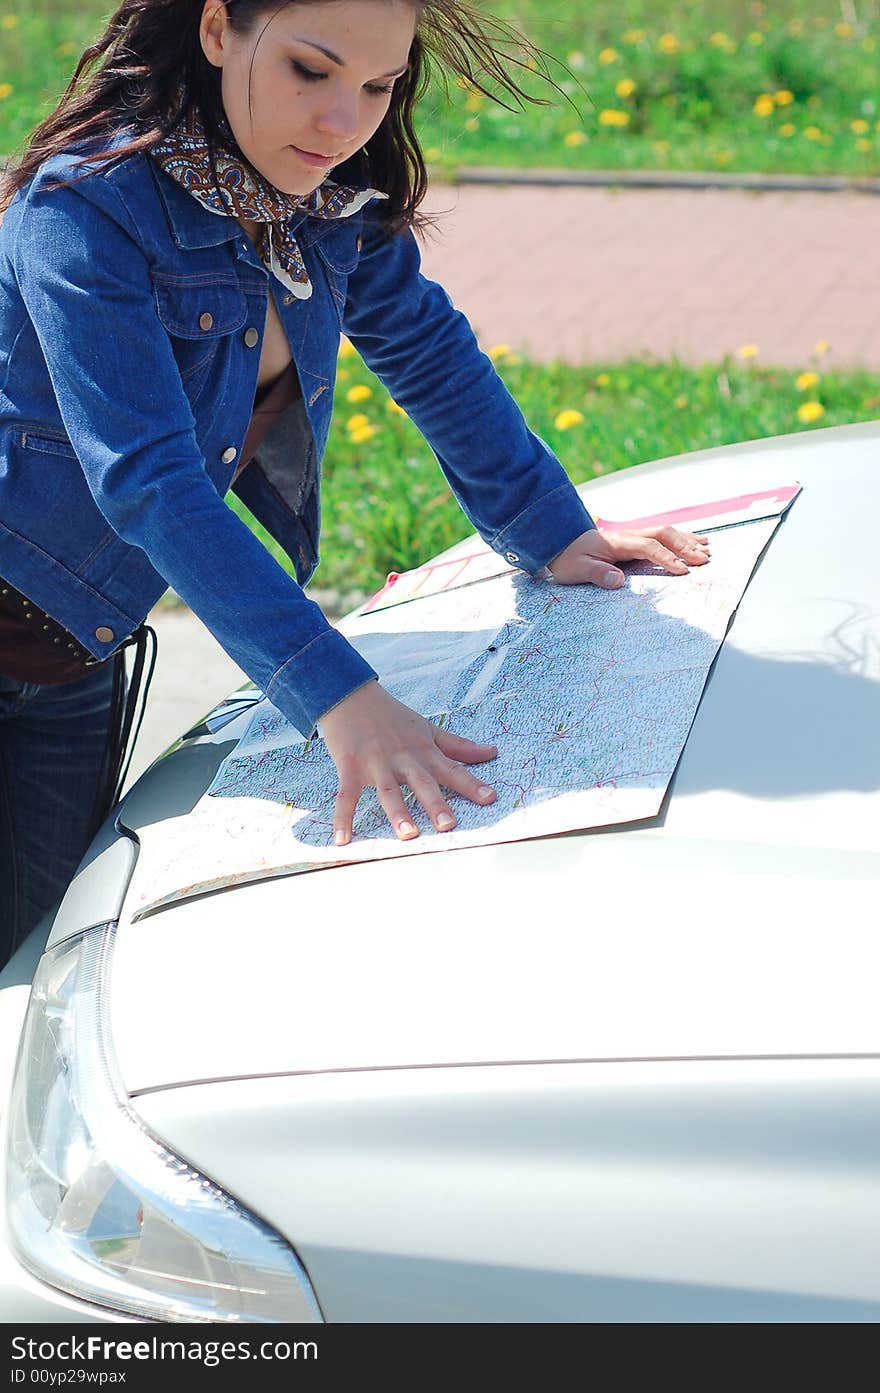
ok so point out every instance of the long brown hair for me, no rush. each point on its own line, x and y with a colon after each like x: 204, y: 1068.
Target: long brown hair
x: 150, y: 51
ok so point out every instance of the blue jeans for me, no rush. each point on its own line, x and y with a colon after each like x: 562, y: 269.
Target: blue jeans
x: 54, y: 759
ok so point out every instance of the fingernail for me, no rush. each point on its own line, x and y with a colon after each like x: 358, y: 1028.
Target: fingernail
x: 613, y: 578
x: 340, y: 838
x: 444, y: 821
x: 484, y: 791
x: 406, y: 828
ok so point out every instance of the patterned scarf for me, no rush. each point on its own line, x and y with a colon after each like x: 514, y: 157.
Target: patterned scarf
x: 231, y: 187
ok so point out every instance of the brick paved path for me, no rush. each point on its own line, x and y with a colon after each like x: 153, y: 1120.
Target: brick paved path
x: 586, y: 274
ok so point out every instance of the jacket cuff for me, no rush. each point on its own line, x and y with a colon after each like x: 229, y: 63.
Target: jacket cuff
x: 538, y: 534
x: 317, y: 678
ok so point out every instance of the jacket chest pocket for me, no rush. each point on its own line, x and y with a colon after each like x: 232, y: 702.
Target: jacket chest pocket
x: 198, y: 313
x: 338, y: 248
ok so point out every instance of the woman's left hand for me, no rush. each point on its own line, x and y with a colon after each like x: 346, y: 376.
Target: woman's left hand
x: 585, y: 561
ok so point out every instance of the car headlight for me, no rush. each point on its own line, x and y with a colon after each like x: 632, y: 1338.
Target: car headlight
x: 100, y: 1207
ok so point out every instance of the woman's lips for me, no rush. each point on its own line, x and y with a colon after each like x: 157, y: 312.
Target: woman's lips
x: 308, y: 157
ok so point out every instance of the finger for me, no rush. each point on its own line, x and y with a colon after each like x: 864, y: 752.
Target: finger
x: 682, y: 543
x: 461, y: 780
x: 391, y: 798
x: 343, y: 813
x: 460, y: 748
x: 660, y: 555
x: 589, y: 570
x: 427, y: 791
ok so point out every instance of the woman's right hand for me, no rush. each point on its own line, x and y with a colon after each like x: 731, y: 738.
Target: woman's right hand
x: 377, y: 742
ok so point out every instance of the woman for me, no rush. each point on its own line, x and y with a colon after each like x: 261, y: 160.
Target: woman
x: 223, y: 188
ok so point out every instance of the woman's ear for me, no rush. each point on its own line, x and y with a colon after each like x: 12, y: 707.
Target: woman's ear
x: 214, y: 31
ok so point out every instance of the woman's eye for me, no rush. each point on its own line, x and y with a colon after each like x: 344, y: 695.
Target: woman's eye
x: 376, y: 90
x: 308, y: 73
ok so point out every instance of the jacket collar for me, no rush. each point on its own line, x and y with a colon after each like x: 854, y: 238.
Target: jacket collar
x: 192, y: 225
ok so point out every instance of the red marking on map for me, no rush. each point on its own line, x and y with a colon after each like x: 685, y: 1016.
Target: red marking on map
x: 720, y: 508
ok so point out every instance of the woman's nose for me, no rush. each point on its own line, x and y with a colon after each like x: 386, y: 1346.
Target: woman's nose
x: 339, y: 117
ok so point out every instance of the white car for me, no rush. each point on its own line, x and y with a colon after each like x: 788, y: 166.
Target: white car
x: 624, y: 1074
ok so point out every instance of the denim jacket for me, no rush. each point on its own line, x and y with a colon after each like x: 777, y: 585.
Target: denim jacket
x: 127, y: 381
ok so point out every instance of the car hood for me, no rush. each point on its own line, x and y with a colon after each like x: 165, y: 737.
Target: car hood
x: 740, y: 922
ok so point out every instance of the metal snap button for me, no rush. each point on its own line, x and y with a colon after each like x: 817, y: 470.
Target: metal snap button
x: 229, y: 454
x: 251, y: 337
x: 103, y: 634
x: 511, y: 556
x: 206, y: 321
x: 359, y: 243
x: 288, y: 299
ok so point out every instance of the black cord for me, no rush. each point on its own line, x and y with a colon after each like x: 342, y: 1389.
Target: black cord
x: 122, y: 729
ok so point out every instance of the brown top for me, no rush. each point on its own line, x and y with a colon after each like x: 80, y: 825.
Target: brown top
x: 33, y: 648
x: 271, y: 402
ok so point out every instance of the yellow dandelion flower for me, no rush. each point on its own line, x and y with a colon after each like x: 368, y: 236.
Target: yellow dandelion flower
x: 858, y: 127
x: 843, y: 30
x: 764, y: 105
x: 432, y: 153
x: 343, y: 375
x: 812, y: 133
x: 748, y: 350
x: 723, y: 156
x: 668, y: 43
x: 806, y: 381
x: 756, y: 37
x: 392, y: 406
x: 357, y: 421
x: 608, y: 55
x: 472, y: 124
x: 661, y: 147
x: 575, y: 59
x: 359, y: 393
x: 795, y: 27
x: 681, y: 402
x: 611, y: 117
x: 8, y: 22
x: 6, y: 90
x: 566, y: 419
x: 362, y: 434
x: 603, y: 380
x: 783, y: 97
x: 811, y: 411
x: 633, y: 36
x: 625, y: 87
x: 474, y: 101
x: 821, y: 347
x: 719, y: 39
x: 575, y: 138
x: 869, y: 44
x: 499, y: 351
x: 864, y: 146
x: 346, y: 348
x: 787, y: 129
x: 512, y: 359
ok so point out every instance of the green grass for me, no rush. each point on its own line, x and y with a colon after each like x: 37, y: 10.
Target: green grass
x: 692, y: 105
x: 386, y: 505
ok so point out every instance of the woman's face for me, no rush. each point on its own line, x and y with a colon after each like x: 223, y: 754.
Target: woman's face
x: 306, y: 87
